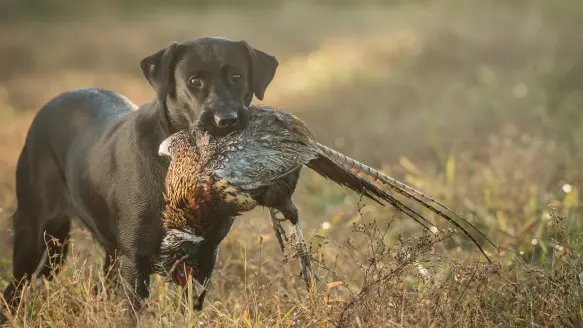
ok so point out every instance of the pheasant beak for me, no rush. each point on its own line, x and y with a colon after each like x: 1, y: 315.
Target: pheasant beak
x: 164, y: 149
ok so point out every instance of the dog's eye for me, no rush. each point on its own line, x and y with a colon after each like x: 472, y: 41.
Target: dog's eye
x: 195, y: 81
x: 235, y: 77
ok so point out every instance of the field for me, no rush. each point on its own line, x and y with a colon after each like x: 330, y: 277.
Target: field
x: 477, y: 103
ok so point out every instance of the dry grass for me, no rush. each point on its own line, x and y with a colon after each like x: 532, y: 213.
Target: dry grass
x: 477, y: 104
x: 404, y: 283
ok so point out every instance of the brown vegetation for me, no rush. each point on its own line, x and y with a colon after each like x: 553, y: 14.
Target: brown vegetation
x: 476, y: 103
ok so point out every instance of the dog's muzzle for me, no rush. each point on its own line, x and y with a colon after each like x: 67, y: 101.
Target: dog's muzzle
x: 226, y: 119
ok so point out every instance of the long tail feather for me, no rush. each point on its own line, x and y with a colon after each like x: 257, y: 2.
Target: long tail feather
x: 403, y: 189
x: 331, y: 170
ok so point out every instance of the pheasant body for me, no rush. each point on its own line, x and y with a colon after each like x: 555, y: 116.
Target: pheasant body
x: 259, y: 166
x: 235, y: 170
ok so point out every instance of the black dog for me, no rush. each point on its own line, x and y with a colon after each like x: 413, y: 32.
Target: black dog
x: 92, y: 154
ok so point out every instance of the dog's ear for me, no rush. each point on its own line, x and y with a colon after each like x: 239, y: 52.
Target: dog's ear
x: 158, y: 69
x: 263, y: 68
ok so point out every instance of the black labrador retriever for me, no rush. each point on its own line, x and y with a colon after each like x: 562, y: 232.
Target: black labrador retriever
x: 92, y: 154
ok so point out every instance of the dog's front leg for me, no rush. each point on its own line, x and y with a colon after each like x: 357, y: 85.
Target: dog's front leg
x: 208, y: 256
x: 135, y: 274
x: 204, y: 277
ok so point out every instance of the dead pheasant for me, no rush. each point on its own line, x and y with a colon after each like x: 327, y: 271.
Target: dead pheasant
x: 260, y: 165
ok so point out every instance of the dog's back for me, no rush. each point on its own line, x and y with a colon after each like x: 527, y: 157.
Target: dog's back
x: 61, y: 127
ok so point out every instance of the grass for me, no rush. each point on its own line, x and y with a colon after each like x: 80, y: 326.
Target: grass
x: 477, y: 104
x: 408, y: 282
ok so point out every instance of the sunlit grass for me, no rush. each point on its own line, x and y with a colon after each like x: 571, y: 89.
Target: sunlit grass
x: 410, y: 281
x: 483, y: 114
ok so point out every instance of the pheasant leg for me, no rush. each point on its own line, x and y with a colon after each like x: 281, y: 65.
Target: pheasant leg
x: 305, y: 262
x: 277, y: 228
x: 290, y: 212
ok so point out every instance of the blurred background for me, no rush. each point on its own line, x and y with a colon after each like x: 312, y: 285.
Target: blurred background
x: 478, y: 103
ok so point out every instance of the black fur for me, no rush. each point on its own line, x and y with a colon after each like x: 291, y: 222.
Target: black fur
x: 92, y: 154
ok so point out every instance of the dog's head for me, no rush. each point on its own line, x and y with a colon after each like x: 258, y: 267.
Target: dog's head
x: 209, y: 82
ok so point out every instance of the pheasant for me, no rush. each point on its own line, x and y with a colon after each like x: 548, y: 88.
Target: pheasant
x: 259, y: 166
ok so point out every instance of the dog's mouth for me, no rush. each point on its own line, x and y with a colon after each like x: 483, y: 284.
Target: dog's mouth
x: 207, y: 123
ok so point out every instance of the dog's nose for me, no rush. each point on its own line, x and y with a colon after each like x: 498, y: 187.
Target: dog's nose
x: 226, y: 119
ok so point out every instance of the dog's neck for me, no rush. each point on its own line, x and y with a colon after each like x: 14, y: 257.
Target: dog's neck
x: 164, y: 118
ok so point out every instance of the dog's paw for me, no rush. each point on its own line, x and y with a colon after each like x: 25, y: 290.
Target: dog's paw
x: 198, y: 305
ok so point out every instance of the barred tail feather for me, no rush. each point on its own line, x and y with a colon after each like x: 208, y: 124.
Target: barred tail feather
x: 403, y: 189
x: 329, y: 169
x: 352, y: 163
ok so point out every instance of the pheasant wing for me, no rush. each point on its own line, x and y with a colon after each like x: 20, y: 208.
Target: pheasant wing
x: 272, y: 146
